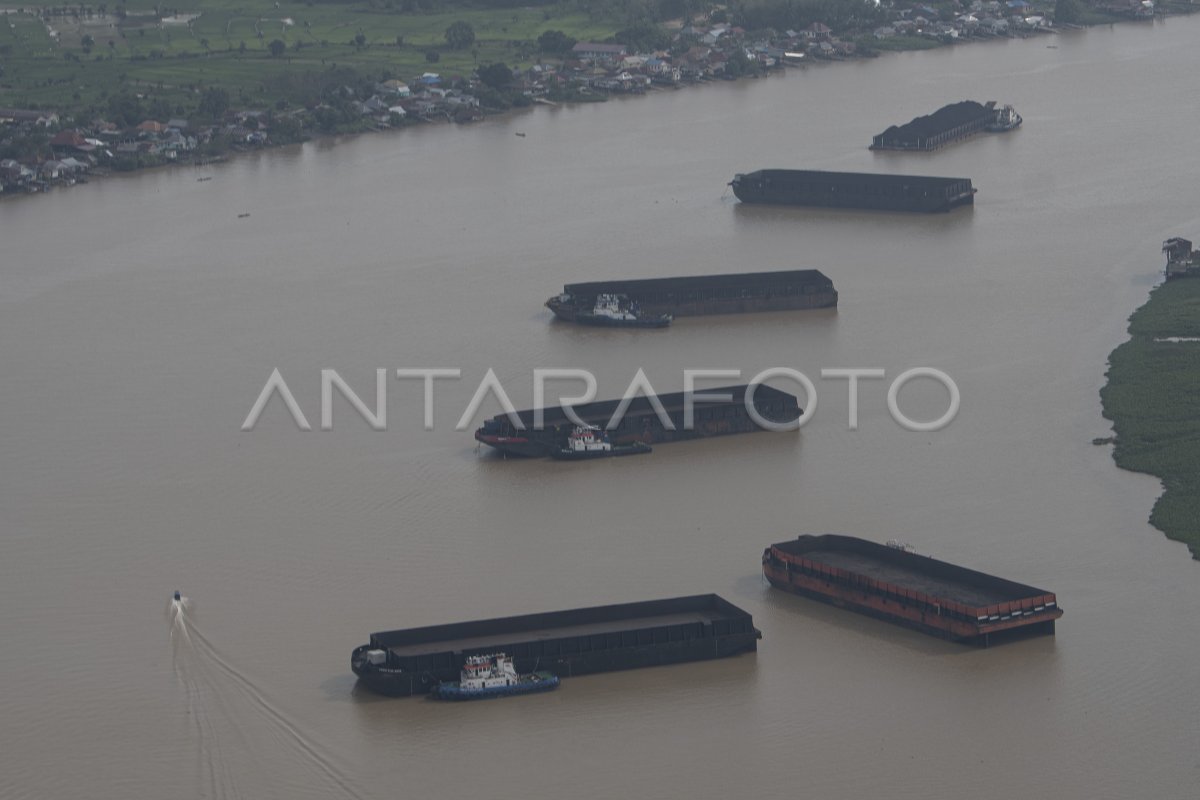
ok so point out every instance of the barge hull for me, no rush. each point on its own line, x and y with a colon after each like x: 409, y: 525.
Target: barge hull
x: 565, y: 643
x: 640, y: 422
x: 855, y: 190
x: 918, y: 592
x: 702, y: 295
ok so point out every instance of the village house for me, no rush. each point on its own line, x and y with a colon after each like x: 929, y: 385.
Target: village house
x: 661, y: 70
x: 993, y: 26
x: 714, y: 34
x: 74, y: 167
x: 15, y: 174
x: 43, y: 119
x: 69, y: 141
x: 591, y: 51
x: 817, y: 32
x: 394, y: 88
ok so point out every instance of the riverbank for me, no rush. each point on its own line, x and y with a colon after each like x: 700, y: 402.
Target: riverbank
x: 1153, y: 400
x: 169, y: 95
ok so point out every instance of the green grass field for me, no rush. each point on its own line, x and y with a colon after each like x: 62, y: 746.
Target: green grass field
x: 1153, y: 400
x: 225, y: 43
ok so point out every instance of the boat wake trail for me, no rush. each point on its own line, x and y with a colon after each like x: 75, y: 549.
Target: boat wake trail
x: 209, y: 679
x: 212, y: 768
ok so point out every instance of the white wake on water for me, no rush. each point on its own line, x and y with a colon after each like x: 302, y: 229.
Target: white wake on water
x: 209, y: 679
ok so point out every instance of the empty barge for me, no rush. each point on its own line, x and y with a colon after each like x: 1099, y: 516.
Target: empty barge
x: 565, y: 643
x: 859, y: 190
x: 640, y: 421
x: 915, y: 591
x: 697, y: 295
x: 948, y: 124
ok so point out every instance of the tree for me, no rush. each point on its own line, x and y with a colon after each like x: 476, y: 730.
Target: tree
x: 738, y: 65
x: 399, y: 41
x: 1067, y: 11
x: 432, y: 56
x: 460, y: 35
x: 286, y: 129
x: 555, y: 42
x: 125, y: 109
x: 277, y: 48
x: 497, y: 76
x: 213, y: 102
x: 88, y: 42
x: 360, y: 39
x: 643, y: 37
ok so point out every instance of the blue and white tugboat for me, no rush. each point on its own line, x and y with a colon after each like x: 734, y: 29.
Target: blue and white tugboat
x: 493, y: 675
x: 618, y: 311
x: 587, y: 442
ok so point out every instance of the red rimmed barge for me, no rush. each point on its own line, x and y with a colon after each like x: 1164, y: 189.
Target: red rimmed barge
x: 895, y: 585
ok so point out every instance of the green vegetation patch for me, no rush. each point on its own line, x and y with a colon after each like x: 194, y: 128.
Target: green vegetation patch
x: 252, y: 47
x: 1153, y: 400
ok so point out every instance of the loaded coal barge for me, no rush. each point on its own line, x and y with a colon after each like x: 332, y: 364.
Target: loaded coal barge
x: 564, y: 643
x: 947, y: 125
x: 697, y: 295
x: 858, y: 190
x: 640, y: 421
x: 896, y: 585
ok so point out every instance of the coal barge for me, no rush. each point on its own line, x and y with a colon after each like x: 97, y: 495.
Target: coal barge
x: 857, y: 190
x: 893, y: 584
x: 697, y: 295
x: 949, y: 124
x: 640, y: 422
x: 565, y: 643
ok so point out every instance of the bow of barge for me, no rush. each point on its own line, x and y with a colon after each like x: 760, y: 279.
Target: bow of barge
x: 916, y: 591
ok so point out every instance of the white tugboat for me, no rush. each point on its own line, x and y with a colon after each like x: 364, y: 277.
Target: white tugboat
x: 1006, y: 119
x: 586, y: 442
x: 493, y: 675
x: 617, y: 311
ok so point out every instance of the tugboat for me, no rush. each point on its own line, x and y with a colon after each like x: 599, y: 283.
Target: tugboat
x: 617, y: 311
x: 587, y: 442
x: 493, y: 676
x: 1007, y: 118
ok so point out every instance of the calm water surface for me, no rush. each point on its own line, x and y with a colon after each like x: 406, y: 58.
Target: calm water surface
x: 140, y: 316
